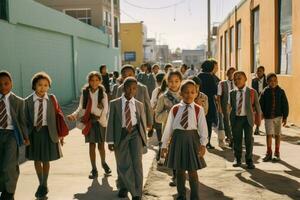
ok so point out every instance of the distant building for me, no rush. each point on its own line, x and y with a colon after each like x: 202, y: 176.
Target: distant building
x: 93, y: 12
x: 150, y: 50
x: 163, y: 55
x: 193, y: 57
x: 133, y: 37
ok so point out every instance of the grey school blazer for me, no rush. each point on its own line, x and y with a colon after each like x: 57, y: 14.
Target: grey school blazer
x: 142, y: 96
x: 249, y: 111
x: 18, y: 118
x: 114, y: 127
x: 51, y: 117
x: 224, y: 97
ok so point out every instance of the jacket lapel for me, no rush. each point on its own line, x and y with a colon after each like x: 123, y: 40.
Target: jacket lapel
x: 247, y: 100
x: 119, y: 109
x: 31, y: 108
x: 12, y: 107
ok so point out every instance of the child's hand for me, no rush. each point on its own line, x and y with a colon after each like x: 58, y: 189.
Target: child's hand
x: 202, y: 150
x: 111, y: 147
x: 163, y: 153
x: 284, y: 121
x: 71, y: 118
x: 26, y: 142
x: 61, y: 141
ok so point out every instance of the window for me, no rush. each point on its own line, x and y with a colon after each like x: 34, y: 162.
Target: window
x: 255, y: 39
x: 3, y: 10
x: 116, y: 31
x: 195, y: 59
x: 285, y: 37
x: 226, y: 39
x: 82, y: 14
x: 239, y: 44
x: 106, y: 18
x: 221, y: 52
x: 231, y: 39
x: 130, y: 56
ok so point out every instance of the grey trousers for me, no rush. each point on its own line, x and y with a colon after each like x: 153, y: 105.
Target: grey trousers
x: 129, y: 163
x: 226, y: 122
x: 239, y: 127
x: 9, y: 166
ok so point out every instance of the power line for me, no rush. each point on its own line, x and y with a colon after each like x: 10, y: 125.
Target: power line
x: 155, y: 8
x: 134, y: 19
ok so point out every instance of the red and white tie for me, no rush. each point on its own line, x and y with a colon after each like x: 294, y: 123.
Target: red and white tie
x: 184, y: 118
x: 3, y: 113
x: 39, y: 122
x: 128, y: 117
x: 240, y: 105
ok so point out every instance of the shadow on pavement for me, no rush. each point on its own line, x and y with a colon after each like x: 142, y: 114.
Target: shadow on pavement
x: 207, y: 192
x: 228, y: 154
x: 294, y: 171
x: 97, y: 191
x: 273, y: 182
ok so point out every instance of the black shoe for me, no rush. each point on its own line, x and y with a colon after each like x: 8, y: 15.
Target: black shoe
x: 136, y: 198
x: 250, y: 166
x: 268, y: 157
x: 123, y: 193
x: 93, y: 174
x: 256, y: 132
x: 181, y: 198
x: 150, y: 133
x: 209, y: 146
x: 38, y: 192
x: 276, y: 157
x: 43, y: 191
x: 237, y: 164
x: 106, y: 169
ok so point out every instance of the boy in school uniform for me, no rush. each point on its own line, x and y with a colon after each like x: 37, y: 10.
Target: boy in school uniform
x: 127, y: 137
x: 13, y: 133
x: 259, y: 82
x: 224, y: 88
x: 147, y: 78
x: 275, y: 108
x: 141, y: 95
x: 244, y: 103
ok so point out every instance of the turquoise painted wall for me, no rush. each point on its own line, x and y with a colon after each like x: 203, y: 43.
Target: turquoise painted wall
x: 37, y: 38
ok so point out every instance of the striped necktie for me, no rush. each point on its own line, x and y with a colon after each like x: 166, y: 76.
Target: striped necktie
x: 240, y: 105
x: 39, y: 122
x: 184, y: 118
x: 3, y: 113
x: 128, y: 117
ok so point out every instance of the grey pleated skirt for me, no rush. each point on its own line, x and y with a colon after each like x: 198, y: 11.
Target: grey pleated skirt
x: 184, y: 151
x: 41, y: 147
x: 96, y: 134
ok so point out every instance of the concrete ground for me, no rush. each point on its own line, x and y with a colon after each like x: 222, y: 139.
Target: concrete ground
x: 221, y: 181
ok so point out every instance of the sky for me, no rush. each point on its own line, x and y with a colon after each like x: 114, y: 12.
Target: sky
x: 183, y: 25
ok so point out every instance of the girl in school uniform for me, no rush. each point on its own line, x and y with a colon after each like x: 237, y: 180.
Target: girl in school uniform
x: 187, y: 127
x: 43, y: 134
x: 166, y: 101
x: 92, y: 119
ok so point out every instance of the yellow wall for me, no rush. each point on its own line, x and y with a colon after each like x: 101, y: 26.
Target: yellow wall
x: 268, y: 45
x: 132, y: 40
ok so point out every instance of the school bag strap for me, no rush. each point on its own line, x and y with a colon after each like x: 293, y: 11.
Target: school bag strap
x: 196, y: 107
x: 61, y: 125
x: 256, y: 116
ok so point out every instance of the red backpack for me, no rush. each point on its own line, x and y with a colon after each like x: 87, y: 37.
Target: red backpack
x: 197, y: 110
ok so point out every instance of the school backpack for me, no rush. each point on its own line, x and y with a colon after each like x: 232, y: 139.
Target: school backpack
x: 196, y: 107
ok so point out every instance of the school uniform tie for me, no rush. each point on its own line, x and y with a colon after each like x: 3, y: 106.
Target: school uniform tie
x: 128, y: 117
x: 240, y: 105
x: 3, y: 113
x: 231, y: 85
x: 184, y: 118
x: 39, y: 122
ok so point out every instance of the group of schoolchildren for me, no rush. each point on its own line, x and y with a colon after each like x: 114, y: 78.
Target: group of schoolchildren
x: 179, y: 105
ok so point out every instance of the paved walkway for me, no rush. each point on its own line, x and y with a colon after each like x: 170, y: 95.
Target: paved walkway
x: 220, y: 181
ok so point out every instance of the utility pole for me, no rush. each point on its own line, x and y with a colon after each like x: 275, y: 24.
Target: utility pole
x: 112, y: 23
x: 208, y: 53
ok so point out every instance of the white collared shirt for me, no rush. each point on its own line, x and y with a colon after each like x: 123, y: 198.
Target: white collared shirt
x: 174, y: 123
x: 260, y: 85
x: 7, y: 107
x: 36, y: 108
x: 238, y: 96
x: 220, y: 89
x: 132, y: 111
x: 100, y: 112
